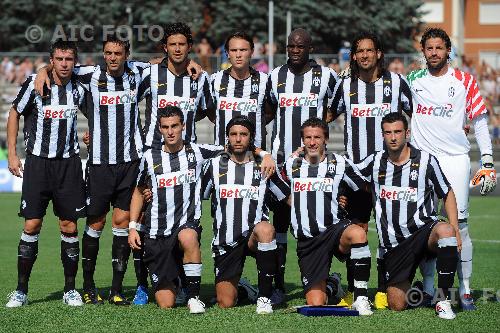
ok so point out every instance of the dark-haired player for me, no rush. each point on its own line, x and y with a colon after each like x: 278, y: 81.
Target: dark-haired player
x: 365, y: 96
x: 53, y: 169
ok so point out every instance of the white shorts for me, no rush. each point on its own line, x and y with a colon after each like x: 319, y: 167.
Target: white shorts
x: 457, y: 170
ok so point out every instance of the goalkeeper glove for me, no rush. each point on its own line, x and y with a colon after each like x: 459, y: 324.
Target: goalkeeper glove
x: 486, y: 176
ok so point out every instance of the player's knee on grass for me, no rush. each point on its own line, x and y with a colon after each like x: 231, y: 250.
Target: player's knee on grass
x: 264, y: 232
x: 396, y: 296
x: 165, y: 297
x: 316, y: 295
x: 67, y: 226
x: 227, y: 294
x: 33, y: 226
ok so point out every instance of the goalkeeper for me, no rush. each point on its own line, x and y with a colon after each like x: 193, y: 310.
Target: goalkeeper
x: 444, y: 98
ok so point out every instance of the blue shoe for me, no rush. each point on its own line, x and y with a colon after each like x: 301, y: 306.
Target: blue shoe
x: 467, y: 303
x: 141, y: 296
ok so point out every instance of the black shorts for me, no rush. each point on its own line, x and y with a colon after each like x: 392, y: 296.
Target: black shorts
x: 163, y: 257
x: 359, y: 205
x: 110, y: 184
x: 59, y: 180
x: 230, y: 264
x: 402, y: 261
x: 315, y: 254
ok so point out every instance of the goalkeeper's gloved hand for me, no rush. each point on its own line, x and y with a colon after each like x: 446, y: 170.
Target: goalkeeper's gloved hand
x: 486, y: 176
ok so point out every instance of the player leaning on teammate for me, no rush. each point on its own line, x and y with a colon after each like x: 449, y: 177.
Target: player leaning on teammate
x: 53, y: 169
x: 241, y: 218
x: 443, y: 100
x: 403, y: 182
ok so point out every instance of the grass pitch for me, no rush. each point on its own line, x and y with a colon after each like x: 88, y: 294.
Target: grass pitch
x: 47, y: 313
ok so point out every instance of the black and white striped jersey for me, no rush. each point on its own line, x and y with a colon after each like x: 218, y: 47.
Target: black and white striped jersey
x: 297, y: 98
x: 315, y: 190
x: 232, y: 97
x: 113, y: 113
x: 50, y: 122
x: 403, y: 195
x: 364, y: 105
x: 237, y: 192
x: 175, y: 180
x: 163, y: 88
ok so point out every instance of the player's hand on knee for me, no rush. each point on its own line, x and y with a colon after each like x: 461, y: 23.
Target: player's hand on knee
x: 147, y: 195
x: 134, y: 240
x: 486, y: 176
x: 15, y: 166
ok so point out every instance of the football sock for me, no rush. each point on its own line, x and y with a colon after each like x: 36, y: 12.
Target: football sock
x: 120, y: 252
x: 360, y: 264
x: 27, y: 252
x: 193, y: 279
x: 70, y: 254
x: 141, y: 272
x: 446, y: 265
x: 90, y: 250
x: 266, y: 258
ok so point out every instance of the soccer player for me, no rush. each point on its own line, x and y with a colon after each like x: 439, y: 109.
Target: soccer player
x: 173, y: 174
x: 317, y: 224
x: 404, y: 180
x: 297, y: 91
x: 238, y: 90
x: 170, y: 83
x: 365, y: 96
x: 53, y: 169
x: 241, y: 218
x: 443, y: 100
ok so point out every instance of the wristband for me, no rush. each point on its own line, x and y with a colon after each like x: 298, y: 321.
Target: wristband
x: 263, y: 153
x: 132, y: 225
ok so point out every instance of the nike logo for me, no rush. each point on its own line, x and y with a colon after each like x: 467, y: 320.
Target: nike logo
x: 463, y: 211
x: 358, y: 264
x: 445, y: 273
x: 352, y: 94
x: 161, y: 84
x: 280, y: 84
x: 418, y: 90
x: 222, y: 88
x: 222, y: 174
x: 155, y: 166
x: 79, y: 209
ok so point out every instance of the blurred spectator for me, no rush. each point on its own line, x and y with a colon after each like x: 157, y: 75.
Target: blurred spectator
x: 467, y: 66
x: 488, y: 88
x: 204, y: 51
x: 222, y: 53
x: 344, y: 55
x: 258, y: 48
x: 334, y: 64
x: 3, y: 150
x: 397, y: 66
x: 261, y: 66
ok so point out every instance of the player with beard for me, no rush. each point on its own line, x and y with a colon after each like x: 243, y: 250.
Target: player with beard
x: 443, y: 100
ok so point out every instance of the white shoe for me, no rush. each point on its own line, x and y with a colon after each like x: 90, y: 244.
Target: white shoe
x: 16, y: 299
x: 444, y: 310
x: 72, y: 298
x: 181, y: 297
x: 362, y: 305
x: 278, y: 297
x: 195, y: 305
x: 264, y: 305
x: 252, y: 292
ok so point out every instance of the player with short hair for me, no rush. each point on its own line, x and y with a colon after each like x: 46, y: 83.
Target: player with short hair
x: 238, y: 90
x: 53, y: 168
x: 241, y: 218
x: 368, y: 93
x: 318, y: 223
x: 404, y: 180
x: 297, y: 91
x: 443, y: 100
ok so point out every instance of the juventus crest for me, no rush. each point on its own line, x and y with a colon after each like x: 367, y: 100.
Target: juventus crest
x: 255, y: 88
x: 256, y: 174
x: 194, y: 85
x: 316, y: 81
x: 190, y: 157
x: 414, y: 175
x: 387, y: 91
